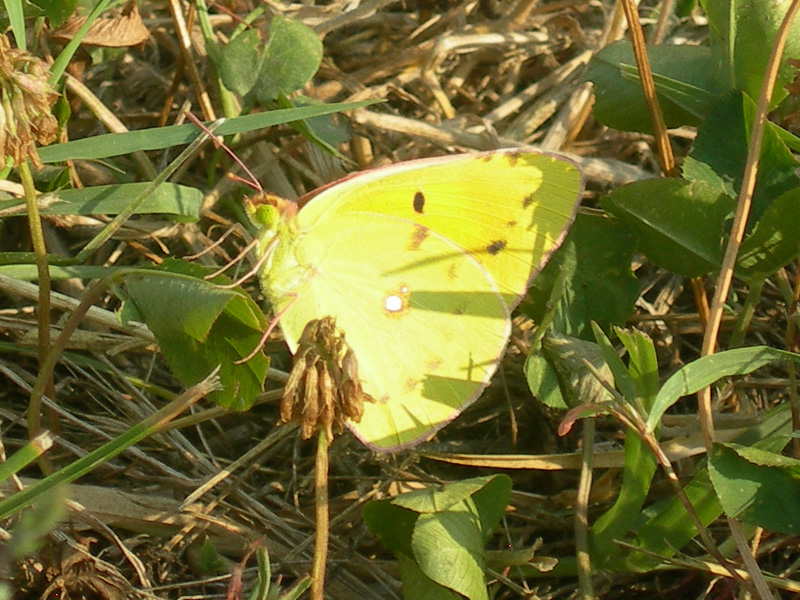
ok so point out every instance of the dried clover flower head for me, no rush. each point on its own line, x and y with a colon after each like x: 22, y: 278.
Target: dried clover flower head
x: 323, y: 388
x: 27, y: 98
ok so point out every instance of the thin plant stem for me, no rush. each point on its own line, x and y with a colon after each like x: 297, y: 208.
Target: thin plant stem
x: 749, y: 560
x: 665, y: 156
x: 43, y: 306
x: 583, y: 555
x: 322, y: 517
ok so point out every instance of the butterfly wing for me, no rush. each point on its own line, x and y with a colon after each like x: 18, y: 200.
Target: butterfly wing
x: 424, y: 319
x: 510, y: 209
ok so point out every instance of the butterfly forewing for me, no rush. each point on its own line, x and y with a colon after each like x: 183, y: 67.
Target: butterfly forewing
x: 509, y: 209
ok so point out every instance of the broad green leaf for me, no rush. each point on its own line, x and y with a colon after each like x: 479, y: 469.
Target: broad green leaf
x: 439, y: 534
x: 292, y: 56
x: 578, y: 384
x: 326, y: 131
x: 742, y: 35
x: 417, y: 585
x: 241, y: 61
x: 158, y: 138
x: 391, y: 524
x: 757, y: 486
x: 491, y: 502
x: 542, y: 379
x: 680, y: 223
x: 774, y: 241
x: 708, y: 369
x: 435, y: 499
x: 198, y: 326
x: 685, y: 83
x: 719, y: 154
x: 56, y: 11
x: 666, y: 528
x: 596, y: 255
x: 448, y: 547
x: 663, y: 528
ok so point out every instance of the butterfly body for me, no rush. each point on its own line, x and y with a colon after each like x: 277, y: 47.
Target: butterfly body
x: 420, y: 264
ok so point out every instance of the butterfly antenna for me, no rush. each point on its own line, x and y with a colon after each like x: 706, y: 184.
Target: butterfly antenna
x: 263, y: 341
x: 255, y: 186
x: 219, y: 144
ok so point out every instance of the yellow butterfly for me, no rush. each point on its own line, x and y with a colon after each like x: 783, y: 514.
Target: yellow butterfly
x: 421, y: 264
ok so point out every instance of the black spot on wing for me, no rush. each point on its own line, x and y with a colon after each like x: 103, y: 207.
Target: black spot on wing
x: 419, y: 203
x: 496, y: 247
x: 528, y: 200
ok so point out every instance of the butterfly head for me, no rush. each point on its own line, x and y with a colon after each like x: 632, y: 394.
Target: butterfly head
x: 268, y: 210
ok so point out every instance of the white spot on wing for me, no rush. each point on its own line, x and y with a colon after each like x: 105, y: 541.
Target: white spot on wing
x: 396, y: 302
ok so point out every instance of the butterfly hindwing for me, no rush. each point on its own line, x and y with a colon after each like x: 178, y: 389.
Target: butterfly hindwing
x: 424, y: 320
